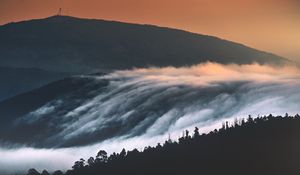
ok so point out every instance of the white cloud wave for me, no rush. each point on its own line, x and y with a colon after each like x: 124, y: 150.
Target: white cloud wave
x: 143, y: 106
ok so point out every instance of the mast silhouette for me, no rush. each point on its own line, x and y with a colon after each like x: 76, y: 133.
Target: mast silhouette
x: 59, y: 12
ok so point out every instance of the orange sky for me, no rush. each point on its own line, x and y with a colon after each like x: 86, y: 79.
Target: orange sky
x: 270, y: 25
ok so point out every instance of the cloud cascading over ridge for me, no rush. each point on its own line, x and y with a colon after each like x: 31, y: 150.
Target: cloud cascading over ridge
x: 142, y: 106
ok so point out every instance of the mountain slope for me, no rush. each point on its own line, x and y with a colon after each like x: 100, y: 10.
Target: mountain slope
x: 141, y: 104
x: 62, y: 43
x: 30, y: 101
x: 19, y: 80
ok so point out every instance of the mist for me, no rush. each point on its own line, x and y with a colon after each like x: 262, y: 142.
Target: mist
x: 141, y: 107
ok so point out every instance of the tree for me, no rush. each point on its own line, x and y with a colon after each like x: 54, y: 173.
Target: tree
x: 196, y: 132
x: 243, y: 122
x: 250, y: 119
x: 112, y: 157
x: 187, y: 136
x: 45, y: 172
x: 101, y: 156
x: 236, y: 122
x: 91, y: 161
x: 123, y: 153
x: 158, y: 146
x: 227, y: 125
x: 135, y: 152
x: 223, y: 126
x: 78, y: 164
x: 58, y: 172
x: 33, y: 171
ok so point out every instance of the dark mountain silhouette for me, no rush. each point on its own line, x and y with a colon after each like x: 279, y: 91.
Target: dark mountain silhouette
x: 19, y: 80
x: 62, y: 43
x: 261, y: 146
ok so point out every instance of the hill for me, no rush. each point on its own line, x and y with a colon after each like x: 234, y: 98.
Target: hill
x: 260, y: 146
x: 25, y: 103
x: 68, y: 44
x: 19, y: 80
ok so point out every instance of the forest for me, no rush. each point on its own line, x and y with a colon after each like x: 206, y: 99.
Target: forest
x: 252, y: 146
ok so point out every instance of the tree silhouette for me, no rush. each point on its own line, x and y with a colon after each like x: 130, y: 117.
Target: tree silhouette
x: 58, y: 172
x: 101, y: 156
x: 45, y: 172
x: 33, y: 171
x: 78, y: 164
x: 196, y: 132
x: 123, y: 153
x: 91, y: 161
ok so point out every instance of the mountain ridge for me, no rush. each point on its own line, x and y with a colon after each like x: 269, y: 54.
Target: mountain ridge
x: 86, y: 45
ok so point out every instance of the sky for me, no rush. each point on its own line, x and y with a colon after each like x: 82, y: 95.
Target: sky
x: 269, y: 25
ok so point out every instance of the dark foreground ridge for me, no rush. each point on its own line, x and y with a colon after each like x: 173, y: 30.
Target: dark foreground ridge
x: 265, y: 145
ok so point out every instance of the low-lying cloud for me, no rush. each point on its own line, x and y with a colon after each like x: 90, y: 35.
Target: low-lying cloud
x: 141, y: 107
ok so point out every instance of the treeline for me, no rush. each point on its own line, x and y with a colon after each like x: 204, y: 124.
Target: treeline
x: 263, y: 145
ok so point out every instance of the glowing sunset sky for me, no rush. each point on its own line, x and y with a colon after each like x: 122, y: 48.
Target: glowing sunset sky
x: 270, y: 25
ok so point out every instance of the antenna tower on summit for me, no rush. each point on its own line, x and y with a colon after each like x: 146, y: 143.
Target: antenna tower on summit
x: 59, y: 12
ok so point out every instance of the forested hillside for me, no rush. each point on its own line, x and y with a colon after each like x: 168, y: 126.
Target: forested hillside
x: 264, y: 145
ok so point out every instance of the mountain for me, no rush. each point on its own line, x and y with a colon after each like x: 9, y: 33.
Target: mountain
x: 18, y: 80
x: 62, y: 109
x: 68, y: 44
x: 34, y: 53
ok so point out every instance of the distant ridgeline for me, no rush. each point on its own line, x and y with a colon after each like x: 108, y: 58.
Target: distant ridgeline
x: 265, y: 145
x: 68, y: 44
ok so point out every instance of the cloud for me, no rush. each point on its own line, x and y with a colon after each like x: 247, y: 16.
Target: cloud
x: 140, y: 107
